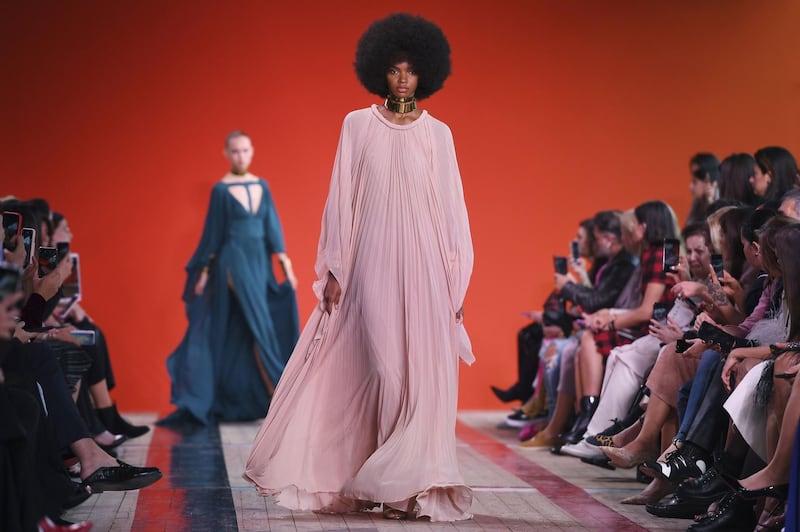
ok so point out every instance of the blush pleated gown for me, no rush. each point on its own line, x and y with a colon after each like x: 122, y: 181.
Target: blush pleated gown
x: 365, y: 411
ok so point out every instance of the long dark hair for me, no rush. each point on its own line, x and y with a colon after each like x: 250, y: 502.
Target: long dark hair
x: 781, y: 166
x: 731, y: 223
x: 787, y: 247
x: 708, y: 171
x: 659, y: 220
x: 735, y: 172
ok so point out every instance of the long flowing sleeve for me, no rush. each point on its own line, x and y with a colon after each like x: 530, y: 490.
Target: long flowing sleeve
x: 333, y: 252
x: 273, y: 233
x: 460, y: 251
x: 210, y: 241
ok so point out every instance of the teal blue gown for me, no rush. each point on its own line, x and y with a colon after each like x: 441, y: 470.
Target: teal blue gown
x: 243, y: 320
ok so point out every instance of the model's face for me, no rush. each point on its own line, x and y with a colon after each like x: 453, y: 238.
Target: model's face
x: 240, y: 153
x: 760, y: 182
x: 62, y: 233
x: 698, y: 256
x: 402, y: 80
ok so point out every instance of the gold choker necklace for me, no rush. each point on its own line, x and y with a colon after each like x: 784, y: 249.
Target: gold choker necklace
x: 240, y: 173
x: 400, y: 105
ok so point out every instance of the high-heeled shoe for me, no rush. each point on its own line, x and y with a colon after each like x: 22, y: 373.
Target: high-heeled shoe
x: 778, y: 491
x: 512, y: 394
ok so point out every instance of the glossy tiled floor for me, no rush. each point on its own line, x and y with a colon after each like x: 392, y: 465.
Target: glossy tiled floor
x: 515, y: 488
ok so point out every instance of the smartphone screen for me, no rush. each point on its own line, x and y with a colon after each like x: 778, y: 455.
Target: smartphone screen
x: 10, y: 280
x: 84, y: 337
x: 560, y: 264
x: 575, y: 249
x: 672, y: 250
x: 660, y: 311
x: 48, y: 259
x: 71, y: 287
x: 12, y: 225
x: 716, y: 263
x: 28, y: 239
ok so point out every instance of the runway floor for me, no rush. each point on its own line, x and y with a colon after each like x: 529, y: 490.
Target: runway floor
x: 515, y: 488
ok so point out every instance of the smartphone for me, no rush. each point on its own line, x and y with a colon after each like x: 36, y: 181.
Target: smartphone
x: 28, y: 239
x: 84, y: 337
x: 714, y: 335
x: 716, y: 263
x: 10, y: 280
x: 62, y: 250
x: 12, y: 225
x: 575, y: 249
x: 660, y: 311
x: 671, y: 256
x: 48, y: 259
x: 71, y: 287
x: 560, y: 264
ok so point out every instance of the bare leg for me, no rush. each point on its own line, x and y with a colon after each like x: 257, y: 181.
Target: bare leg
x: 558, y: 423
x: 91, y: 456
x: 658, y: 412
x: 589, y: 365
x: 777, y: 470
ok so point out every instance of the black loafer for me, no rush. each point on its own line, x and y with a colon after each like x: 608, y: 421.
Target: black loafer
x: 676, y: 508
x: 708, y: 488
x: 121, y: 478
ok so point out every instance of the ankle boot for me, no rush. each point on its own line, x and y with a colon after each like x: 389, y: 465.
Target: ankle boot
x: 588, y: 406
x: 117, y: 425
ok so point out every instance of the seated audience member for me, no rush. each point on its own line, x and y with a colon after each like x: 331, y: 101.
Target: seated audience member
x: 704, y: 186
x: 30, y: 369
x: 610, y: 281
x: 628, y: 366
x: 654, y: 222
x: 549, y: 323
x: 735, y: 173
x: 775, y: 173
x: 671, y: 371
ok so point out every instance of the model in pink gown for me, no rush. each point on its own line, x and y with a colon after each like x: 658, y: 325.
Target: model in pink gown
x: 365, y: 411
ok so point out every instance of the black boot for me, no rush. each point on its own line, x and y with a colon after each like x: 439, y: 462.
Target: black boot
x: 588, y: 406
x: 117, y: 425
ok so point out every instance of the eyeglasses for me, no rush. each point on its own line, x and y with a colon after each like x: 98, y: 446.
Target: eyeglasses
x: 700, y: 174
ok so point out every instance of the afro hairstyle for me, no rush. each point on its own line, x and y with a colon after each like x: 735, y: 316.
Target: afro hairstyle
x: 401, y: 37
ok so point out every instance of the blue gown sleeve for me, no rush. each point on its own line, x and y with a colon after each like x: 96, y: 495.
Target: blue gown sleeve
x: 273, y: 234
x: 210, y: 241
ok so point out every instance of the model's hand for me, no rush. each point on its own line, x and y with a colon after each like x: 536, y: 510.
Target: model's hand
x: 200, y: 285
x: 332, y: 293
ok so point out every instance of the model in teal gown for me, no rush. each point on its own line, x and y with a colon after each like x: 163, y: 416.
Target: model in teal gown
x: 243, y: 327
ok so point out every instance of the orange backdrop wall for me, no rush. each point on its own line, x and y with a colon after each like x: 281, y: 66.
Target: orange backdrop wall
x: 116, y: 113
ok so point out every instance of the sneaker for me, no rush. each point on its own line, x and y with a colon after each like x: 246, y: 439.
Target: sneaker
x: 684, y: 463
x: 582, y: 450
x: 518, y: 419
